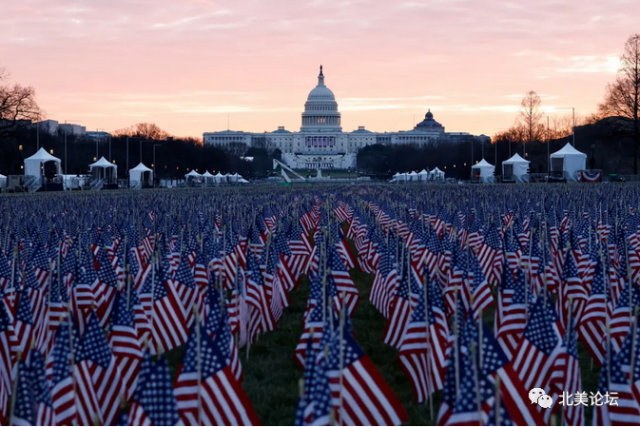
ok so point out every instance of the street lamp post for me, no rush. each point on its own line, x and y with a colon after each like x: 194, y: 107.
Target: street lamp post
x: 154, y: 163
x: 65, y: 151
x: 548, y: 149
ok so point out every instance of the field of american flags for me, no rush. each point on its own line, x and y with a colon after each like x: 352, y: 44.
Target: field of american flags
x: 253, y: 268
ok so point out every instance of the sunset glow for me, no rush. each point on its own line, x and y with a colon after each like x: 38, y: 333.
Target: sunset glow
x: 197, y: 66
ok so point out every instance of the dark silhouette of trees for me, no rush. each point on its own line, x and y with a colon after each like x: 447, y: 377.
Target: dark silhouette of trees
x: 18, y: 106
x: 529, y: 117
x: 144, y: 130
x: 622, y: 98
x: 174, y: 157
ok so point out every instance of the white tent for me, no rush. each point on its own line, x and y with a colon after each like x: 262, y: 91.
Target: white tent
x: 219, y: 177
x: 437, y: 174
x: 234, y: 177
x: 243, y: 181
x: 136, y: 176
x: 483, y: 172
x: 3, y: 182
x: 101, y: 167
x: 208, y: 178
x: 413, y: 176
x: 402, y: 177
x: 193, y: 178
x: 33, y: 164
x: 516, y: 168
x: 569, y: 162
x: 423, y: 175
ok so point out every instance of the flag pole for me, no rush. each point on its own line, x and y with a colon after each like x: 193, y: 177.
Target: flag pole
x: 341, y: 335
x: 456, y: 341
x: 428, y: 341
x: 497, y: 398
x: 476, y: 381
x: 13, y: 390
x: 199, y: 361
x: 633, y: 344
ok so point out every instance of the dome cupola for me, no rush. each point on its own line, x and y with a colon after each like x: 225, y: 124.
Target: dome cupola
x: 321, y: 109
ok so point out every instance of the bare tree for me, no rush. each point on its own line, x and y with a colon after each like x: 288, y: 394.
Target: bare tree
x: 562, y: 126
x: 18, y: 106
x: 145, y: 130
x: 530, y: 115
x: 622, y: 97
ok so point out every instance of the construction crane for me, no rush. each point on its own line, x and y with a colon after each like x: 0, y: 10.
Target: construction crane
x: 284, y: 174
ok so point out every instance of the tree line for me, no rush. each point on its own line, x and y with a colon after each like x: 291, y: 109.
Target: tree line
x: 174, y: 156
x: 610, y: 136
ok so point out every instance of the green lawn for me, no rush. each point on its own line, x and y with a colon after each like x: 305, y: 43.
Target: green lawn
x: 271, y: 379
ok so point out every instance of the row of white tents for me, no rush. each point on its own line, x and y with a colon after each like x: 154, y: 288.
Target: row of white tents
x: 106, y: 171
x: 424, y: 175
x: 208, y: 178
x: 565, y: 163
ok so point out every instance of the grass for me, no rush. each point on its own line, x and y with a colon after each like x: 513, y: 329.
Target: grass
x: 271, y: 379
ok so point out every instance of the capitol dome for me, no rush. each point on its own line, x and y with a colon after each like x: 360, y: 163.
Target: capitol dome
x: 321, y: 109
x: 428, y: 124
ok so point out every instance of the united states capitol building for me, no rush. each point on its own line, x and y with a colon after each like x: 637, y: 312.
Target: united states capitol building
x: 321, y: 142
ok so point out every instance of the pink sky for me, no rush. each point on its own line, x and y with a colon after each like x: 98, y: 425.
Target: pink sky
x: 188, y: 64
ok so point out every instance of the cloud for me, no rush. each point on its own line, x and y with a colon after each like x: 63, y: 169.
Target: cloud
x: 120, y: 58
x: 591, y: 64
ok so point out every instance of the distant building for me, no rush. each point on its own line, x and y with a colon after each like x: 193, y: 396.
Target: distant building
x: 98, y: 135
x: 71, y: 129
x: 321, y: 143
x: 48, y: 126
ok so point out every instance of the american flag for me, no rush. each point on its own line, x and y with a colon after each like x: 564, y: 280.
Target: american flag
x: 601, y: 413
x: 541, y: 345
x: 223, y: 402
x: 25, y: 407
x: 261, y: 319
x: 465, y: 410
x: 314, y: 322
x: 481, y: 291
x: 423, y: 350
x: 185, y: 286
x: 59, y: 372
x: 598, y: 309
x: 621, y: 318
x: 41, y: 388
x: 217, y: 327
x: 511, y: 317
x: 154, y: 403
x: 127, y: 349
x: 97, y: 376
x: 343, y: 281
x: 572, y: 415
x: 385, y: 278
x: 321, y: 397
x: 6, y: 364
x: 572, y: 288
x: 23, y: 325
x: 364, y: 396
x: 627, y: 410
x: 490, y: 256
x: 168, y: 325
x: 304, y: 408
x: 400, y: 313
